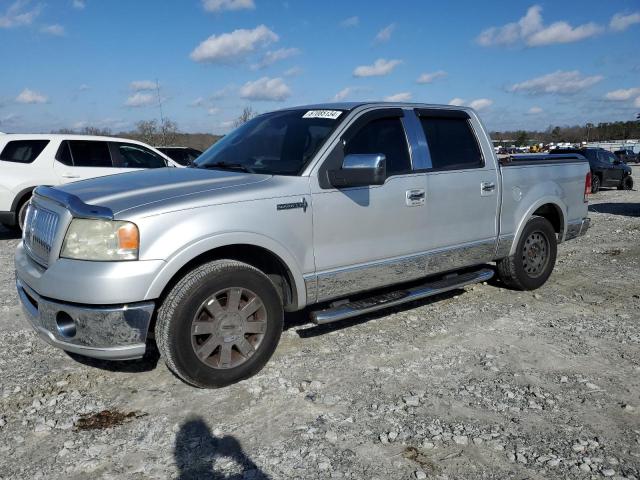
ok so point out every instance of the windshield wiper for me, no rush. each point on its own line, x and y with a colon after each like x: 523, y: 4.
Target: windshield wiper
x: 228, y: 166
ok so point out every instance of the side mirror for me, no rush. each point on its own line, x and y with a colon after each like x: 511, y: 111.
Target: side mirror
x: 359, y: 170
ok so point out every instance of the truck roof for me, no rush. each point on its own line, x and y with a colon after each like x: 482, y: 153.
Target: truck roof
x: 353, y: 105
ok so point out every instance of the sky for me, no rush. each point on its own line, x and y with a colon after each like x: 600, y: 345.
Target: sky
x: 109, y: 64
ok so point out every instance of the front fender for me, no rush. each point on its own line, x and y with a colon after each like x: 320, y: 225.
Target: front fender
x: 198, y: 247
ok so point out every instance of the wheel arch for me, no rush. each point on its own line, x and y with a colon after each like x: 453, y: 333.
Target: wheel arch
x: 260, y: 252
x: 549, y: 208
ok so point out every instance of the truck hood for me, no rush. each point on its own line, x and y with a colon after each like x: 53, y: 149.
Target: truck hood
x: 163, y: 186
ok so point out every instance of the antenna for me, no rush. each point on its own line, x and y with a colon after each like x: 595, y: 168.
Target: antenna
x: 161, y: 114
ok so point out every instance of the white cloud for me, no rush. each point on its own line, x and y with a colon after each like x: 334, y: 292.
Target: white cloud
x: 535, y: 111
x: 230, y: 47
x: 344, y: 93
x: 222, y: 5
x: 560, y: 82
x: 562, y: 32
x: 481, y: 104
x: 458, y: 102
x: 30, y: 96
x: 272, y: 57
x: 620, y: 22
x: 18, y: 14
x: 350, y: 22
x: 379, y: 68
x: 139, y: 85
x: 55, y: 30
x: 430, y: 77
x: 265, y: 88
x: 79, y: 4
x: 213, y: 111
x: 623, y: 94
x: 637, y: 103
x: 198, y: 102
x: 293, y: 72
x: 398, y: 97
x: 531, y: 30
x: 384, y: 35
x: 139, y: 99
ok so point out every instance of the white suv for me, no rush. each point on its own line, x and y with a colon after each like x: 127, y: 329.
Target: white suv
x: 27, y: 161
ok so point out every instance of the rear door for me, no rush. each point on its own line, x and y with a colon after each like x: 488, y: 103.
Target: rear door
x: 82, y: 159
x: 463, y: 190
x: 127, y: 156
x: 612, y: 173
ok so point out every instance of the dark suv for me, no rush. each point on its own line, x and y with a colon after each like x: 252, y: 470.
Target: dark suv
x: 627, y: 155
x: 607, y: 170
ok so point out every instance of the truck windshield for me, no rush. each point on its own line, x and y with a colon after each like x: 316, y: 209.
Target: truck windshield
x: 278, y: 143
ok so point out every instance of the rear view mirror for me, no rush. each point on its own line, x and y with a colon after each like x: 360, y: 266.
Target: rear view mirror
x: 359, y: 170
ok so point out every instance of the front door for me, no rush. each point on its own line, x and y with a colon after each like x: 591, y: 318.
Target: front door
x: 364, y: 236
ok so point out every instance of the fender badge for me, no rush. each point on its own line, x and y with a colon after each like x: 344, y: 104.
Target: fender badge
x: 290, y: 206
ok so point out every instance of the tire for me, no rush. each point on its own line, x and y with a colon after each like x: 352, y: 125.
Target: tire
x: 532, y: 264
x: 595, y: 184
x: 196, y: 317
x: 627, y: 183
x: 22, y: 213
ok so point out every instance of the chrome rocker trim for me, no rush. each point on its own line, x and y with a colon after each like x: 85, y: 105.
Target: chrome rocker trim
x: 109, y: 332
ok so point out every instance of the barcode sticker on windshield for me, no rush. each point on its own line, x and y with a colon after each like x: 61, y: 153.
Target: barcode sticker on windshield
x: 332, y: 114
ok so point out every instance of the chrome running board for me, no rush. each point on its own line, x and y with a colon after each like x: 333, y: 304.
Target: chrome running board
x: 390, y: 299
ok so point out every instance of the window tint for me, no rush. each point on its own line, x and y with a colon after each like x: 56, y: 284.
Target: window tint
x: 64, y: 154
x: 386, y: 136
x: 23, y: 151
x: 452, y: 144
x: 136, y: 156
x: 86, y: 153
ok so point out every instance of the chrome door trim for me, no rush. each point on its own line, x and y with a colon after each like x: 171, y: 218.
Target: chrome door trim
x: 358, y: 278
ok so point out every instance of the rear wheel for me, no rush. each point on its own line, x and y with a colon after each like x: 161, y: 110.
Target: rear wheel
x: 534, y: 259
x: 219, y: 324
x: 595, y: 184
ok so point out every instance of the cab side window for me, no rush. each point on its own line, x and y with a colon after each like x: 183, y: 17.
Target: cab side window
x: 385, y: 136
x: 137, y: 156
x: 89, y: 153
x: 452, y: 143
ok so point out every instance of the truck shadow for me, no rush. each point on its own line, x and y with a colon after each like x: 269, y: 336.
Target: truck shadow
x: 200, y: 455
x: 617, y: 208
x: 144, y: 364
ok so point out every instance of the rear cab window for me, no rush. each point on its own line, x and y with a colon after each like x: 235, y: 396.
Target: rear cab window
x: 131, y: 155
x: 22, y: 151
x: 451, y: 140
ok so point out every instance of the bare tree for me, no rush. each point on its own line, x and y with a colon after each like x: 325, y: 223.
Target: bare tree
x: 247, y: 114
x: 146, y: 131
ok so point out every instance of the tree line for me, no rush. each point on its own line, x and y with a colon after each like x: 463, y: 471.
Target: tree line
x: 589, y: 132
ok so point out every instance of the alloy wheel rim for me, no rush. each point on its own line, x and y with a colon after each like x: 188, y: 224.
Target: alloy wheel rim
x: 228, y: 328
x: 535, y: 254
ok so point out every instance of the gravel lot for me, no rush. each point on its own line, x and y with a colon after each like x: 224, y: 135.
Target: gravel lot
x: 480, y: 383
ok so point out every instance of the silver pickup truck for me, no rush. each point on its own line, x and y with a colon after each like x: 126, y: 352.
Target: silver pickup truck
x: 339, y: 208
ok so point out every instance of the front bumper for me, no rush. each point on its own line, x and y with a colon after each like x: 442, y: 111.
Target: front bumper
x: 577, y: 229
x: 107, y: 332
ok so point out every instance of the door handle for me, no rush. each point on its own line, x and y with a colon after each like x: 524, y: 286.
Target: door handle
x: 69, y: 175
x: 415, y: 197
x: 487, y: 188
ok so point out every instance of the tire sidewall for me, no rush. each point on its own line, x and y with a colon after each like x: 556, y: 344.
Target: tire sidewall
x: 180, y: 330
x: 595, y: 184
x: 627, y: 183
x: 542, y: 225
x: 21, y: 215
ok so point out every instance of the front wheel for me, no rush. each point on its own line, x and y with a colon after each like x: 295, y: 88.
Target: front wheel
x: 219, y: 324
x: 627, y: 183
x: 534, y: 259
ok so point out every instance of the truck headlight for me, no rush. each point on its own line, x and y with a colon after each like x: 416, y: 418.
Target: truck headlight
x: 101, y: 240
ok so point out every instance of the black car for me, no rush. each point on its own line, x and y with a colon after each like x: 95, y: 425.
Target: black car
x: 607, y: 170
x: 182, y: 155
x: 626, y: 155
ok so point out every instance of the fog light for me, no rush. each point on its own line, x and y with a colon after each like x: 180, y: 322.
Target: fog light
x: 66, y: 325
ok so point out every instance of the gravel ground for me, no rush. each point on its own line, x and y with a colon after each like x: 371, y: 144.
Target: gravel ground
x: 480, y: 383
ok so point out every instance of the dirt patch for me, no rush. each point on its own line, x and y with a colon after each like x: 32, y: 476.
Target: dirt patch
x: 105, y: 419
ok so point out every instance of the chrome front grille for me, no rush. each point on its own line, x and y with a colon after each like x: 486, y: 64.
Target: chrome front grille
x: 39, y: 232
